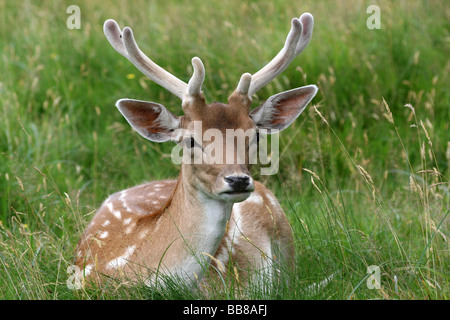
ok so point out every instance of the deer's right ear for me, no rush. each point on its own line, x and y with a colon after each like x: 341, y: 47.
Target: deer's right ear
x: 151, y: 120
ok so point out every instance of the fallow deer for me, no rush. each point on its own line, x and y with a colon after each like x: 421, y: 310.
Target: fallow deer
x: 213, y: 214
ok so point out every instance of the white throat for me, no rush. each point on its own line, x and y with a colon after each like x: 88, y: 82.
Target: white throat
x: 203, y: 242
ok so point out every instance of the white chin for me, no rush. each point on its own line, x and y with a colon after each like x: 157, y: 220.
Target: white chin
x: 234, y: 196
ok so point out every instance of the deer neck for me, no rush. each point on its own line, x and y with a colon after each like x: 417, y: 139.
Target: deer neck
x: 201, y: 222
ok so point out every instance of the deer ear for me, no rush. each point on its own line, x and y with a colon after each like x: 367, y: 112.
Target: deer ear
x: 280, y: 110
x: 151, y: 120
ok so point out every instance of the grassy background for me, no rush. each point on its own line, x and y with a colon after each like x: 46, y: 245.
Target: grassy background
x: 363, y: 181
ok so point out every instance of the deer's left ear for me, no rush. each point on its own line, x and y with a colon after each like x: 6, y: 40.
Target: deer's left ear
x: 280, y: 110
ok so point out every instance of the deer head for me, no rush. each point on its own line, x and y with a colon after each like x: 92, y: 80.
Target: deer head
x: 230, y: 180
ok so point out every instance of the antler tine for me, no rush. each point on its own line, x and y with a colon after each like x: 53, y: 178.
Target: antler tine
x: 151, y: 69
x: 125, y: 44
x: 244, y: 83
x: 196, y: 81
x: 114, y: 36
x: 281, y: 60
x: 296, y: 41
x: 307, y: 21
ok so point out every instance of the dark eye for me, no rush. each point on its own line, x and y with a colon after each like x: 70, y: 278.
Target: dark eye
x: 190, y: 143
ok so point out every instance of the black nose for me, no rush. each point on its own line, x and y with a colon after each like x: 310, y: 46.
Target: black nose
x: 238, y: 183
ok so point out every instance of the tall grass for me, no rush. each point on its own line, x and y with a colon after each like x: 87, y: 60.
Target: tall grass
x: 364, y: 171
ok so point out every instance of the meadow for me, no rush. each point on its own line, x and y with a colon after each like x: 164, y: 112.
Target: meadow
x: 364, y: 171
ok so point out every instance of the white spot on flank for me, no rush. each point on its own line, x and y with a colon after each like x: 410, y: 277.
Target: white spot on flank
x: 127, y: 221
x: 142, y: 235
x: 123, y: 194
x: 87, y: 270
x: 103, y: 234
x: 122, y: 260
x: 129, y: 229
x: 125, y: 205
x: 105, y: 223
x: 116, y: 213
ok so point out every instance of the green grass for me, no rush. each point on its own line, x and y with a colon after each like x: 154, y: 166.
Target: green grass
x: 360, y: 187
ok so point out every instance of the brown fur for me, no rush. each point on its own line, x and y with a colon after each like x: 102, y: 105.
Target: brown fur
x: 240, y: 247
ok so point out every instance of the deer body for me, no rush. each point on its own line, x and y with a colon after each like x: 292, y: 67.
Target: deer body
x: 214, y: 213
x: 128, y: 238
